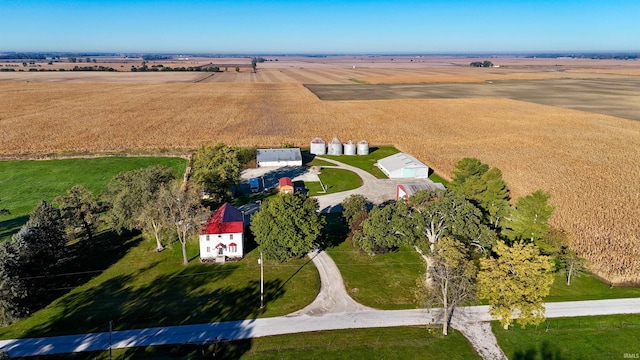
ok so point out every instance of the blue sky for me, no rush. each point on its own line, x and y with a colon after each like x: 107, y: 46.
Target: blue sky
x: 336, y: 27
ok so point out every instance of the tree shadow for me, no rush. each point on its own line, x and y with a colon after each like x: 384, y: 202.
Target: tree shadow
x: 11, y: 226
x: 335, y: 231
x: 546, y: 351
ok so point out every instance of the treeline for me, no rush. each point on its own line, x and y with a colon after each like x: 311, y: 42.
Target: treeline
x: 153, y: 201
x: 75, y: 68
x: 485, y: 63
x: 22, y: 56
x: 160, y: 67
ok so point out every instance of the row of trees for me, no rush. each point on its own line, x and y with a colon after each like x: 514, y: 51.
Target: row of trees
x: 149, y: 200
x: 474, y: 241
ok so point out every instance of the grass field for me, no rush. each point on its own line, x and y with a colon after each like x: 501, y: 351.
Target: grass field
x: 384, y: 281
x: 587, y: 287
x: 594, y: 337
x: 23, y: 183
x: 125, y: 281
x: 383, y: 343
x: 575, y: 155
x: 367, y: 162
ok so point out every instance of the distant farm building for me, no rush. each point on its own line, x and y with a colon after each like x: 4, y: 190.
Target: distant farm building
x: 279, y: 157
x: 222, y: 235
x: 318, y: 147
x: 404, y: 191
x: 335, y: 147
x: 402, y: 165
x: 285, y: 185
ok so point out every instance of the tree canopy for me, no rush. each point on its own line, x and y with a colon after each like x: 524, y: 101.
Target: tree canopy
x: 516, y: 280
x: 80, y: 207
x: 217, y: 169
x: 130, y: 192
x: 529, y: 220
x: 287, y: 226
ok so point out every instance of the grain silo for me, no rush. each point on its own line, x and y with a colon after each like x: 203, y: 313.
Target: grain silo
x: 363, y: 147
x: 335, y: 147
x: 318, y: 147
x: 350, y: 148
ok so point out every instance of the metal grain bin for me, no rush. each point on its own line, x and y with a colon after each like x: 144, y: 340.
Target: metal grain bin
x: 363, y: 147
x: 318, y: 147
x: 335, y: 147
x: 350, y: 148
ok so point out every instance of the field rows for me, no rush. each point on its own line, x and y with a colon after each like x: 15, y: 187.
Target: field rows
x: 587, y: 161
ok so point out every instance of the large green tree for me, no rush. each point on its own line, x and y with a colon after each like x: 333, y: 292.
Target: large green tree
x: 529, y: 220
x: 452, y: 275
x: 217, y: 168
x: 353, y: 207
x: 13, y: 289
x: 130, y: 192
x: 183, y: 210
x: 80, y: 208
x: 385, y: 229
x: 516, y: 281
x: 483, y: 186
x: 287, y: 226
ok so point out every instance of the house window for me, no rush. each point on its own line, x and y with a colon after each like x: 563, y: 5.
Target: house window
x: 233, y: 248
x: 208, y: 248
x: 230, y: 236
x: 207, y: 237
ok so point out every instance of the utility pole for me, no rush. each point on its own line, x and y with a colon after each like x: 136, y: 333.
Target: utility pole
x: 261, y: 262
x: 110, y: 338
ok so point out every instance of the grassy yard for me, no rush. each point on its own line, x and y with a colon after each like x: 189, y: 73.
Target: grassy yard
x: 593, y: 337
x: 125, y: 280
x: 382, y: 343
x: 587, y: 287
x: 385, y: 281
x: 23, y: 183
x: 367, y: 162
x: 335, y: 180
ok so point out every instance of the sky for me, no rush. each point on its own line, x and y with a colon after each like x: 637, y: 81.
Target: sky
x: 320, y: 26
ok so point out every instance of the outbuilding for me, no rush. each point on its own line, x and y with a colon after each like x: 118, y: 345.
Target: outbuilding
x: 278, y: 157
x: 222, y: 236
x: 285, y: 185
x: 403, y: 165
x: 407, y: 190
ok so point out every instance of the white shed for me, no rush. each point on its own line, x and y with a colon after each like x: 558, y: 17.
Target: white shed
x: 402, y: 165
x: 404, y: 191
x: 278, y: 157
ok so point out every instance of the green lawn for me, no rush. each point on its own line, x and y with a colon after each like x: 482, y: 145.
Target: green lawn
x: 386, y: 281
x: 381, y: 343
x: 367, y: 162
x: 23, y: 183
x: 587, y: 287
x: 125, y: 280
x: 593, y: 337
x: 334, y: 180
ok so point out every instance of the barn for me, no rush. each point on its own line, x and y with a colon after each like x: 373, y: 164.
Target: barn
x: 278, y: 157
x: 402, y: 165
x: 221, y: 237
x: 404, y: 191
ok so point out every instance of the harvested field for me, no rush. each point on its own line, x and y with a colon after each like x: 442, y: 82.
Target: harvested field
x: 619, y: 97
x: 588, y: 162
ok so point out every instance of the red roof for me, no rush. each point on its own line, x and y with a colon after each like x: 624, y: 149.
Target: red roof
x: 226, y: 220
x: 285, y: 181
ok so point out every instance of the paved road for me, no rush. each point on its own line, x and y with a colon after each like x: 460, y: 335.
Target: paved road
x: 234, y: 330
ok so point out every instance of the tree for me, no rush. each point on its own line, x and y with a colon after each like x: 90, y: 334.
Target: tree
x: 153, y: 218
x: 566, y: 259
x: 353, y: 207
x: 529, y: 220
x: 80, y: 208
x: 287, y: 226
x: 183, y: 210
x: 12, y: 287
x: 516, y: 281
x: 130, y: 192
x: 484, y: 187
x: 44, y: 235
x: 385, y: 229
x: 217, y: 169
x: 453, y: 275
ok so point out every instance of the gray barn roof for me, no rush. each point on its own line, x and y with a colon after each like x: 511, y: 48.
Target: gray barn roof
x: 413, y: 188
x: 399, y: 161
x: 269, y: 155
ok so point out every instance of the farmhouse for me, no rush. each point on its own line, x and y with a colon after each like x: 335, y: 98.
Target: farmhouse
x: 221, y: 236
x: 286, y: 185
x: 402, y: 165
x: 404, y: 191
x: 278, y: 157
